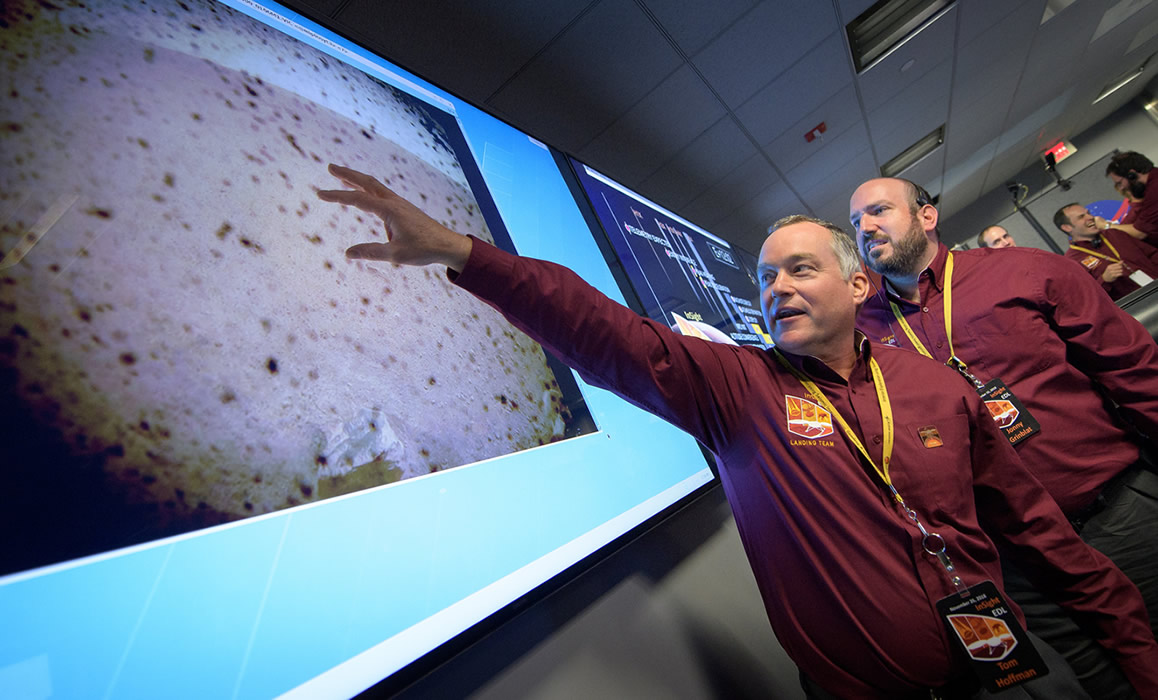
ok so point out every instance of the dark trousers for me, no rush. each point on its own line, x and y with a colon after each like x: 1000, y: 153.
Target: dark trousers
x: 1123, y: 525
x: 1059, y: 684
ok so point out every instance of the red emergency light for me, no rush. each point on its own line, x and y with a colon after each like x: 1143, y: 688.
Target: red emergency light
x: 1060, y: 151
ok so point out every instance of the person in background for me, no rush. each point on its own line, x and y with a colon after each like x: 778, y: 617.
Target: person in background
x: 995, y: 237
x: 1118, y: 261
x: 866, y: 481
x: 1045, y: 345
x: 1132, y: 176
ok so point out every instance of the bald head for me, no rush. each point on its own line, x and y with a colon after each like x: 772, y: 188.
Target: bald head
x: 995, y: 237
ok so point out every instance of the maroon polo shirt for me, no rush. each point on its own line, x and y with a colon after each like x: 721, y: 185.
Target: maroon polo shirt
x: 1042, y: 325
x: 1113, y: 246
x: 847, y: 587
x: 1146, y: 216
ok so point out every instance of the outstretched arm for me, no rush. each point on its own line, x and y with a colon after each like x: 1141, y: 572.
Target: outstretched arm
x: 414, y: 238
x: 696, y: 385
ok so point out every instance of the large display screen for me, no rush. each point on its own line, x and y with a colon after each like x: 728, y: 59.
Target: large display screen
x: 684, y: 276
x: 236, y: 463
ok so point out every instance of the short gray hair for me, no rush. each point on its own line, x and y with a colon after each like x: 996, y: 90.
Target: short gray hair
x: 843, y: 245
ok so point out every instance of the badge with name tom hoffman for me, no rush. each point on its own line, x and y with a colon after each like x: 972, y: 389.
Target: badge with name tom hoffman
x: 1009, y: 414
x: 999, y: 650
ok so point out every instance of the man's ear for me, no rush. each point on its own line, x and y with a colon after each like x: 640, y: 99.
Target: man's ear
x: 1066, y: 229
x: 860, y: 287
x: 928, y: 215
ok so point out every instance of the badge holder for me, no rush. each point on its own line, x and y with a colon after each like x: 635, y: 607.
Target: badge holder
x: 1010, y: 415
x: 999, y: 650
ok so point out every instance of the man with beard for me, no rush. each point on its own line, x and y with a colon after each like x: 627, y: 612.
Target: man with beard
x: 1120, y: 263
x: 1040, y: 341
x: 856, y: 535
x: 1132, y: 175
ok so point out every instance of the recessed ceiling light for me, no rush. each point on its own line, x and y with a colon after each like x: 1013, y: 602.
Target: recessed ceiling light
x: 911, y: 155
x: 1122, y: 81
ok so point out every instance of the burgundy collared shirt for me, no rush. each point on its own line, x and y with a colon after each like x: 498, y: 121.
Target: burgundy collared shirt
x: 846, y: 584
x: 1095, y: 256
x: 1146, y: 212
x: 1044, y: 327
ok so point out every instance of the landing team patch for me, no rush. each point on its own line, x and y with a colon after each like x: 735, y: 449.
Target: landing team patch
x: 807, y: 419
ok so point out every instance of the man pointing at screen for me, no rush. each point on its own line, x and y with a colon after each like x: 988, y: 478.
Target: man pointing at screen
x: 860, y: 476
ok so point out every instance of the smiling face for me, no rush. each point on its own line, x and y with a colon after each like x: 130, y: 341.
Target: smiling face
x: 1082, y: 226
x: 893, y: 239
x: 808, y: 303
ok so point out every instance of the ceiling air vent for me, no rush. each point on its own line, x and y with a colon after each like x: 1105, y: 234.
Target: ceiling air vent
x: 885, y: 25
x: 914, y: 153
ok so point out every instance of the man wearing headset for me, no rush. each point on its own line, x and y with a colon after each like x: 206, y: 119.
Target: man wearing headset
x: 1040, y: 341
x: 1132, y: 175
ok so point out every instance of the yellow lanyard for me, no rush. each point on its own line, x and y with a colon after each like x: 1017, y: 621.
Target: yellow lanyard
x: 886, y: 417
x: 931, y: 542
x: 1099, y: 255
x: 947, y: 301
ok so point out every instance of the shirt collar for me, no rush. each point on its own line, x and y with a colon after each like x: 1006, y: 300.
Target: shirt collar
x: 936, y: 269
x: 1095, y: 242
x: 816, y: 369
x: 935, y: 273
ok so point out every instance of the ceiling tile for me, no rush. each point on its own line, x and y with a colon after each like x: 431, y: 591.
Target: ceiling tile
x: 839, y: 113
x: 1003, y: 48
x: 912, y: 113
x: 819, y: 75
x: 828, y: 200
x: 1031, y: 123
x: 957, y: 195
x: 980, y: 16
x: 851, y: 9
x: 745, y: 182
x: 828, y: 161
x: 1008, y: 162
x: 928, y: 172
x: 762, y: 44
x: 704, y: 162
x: 970, y: 128
x: 587, y: 78
x: 747, y: 226
x: 926, y: 49
x: 960, y: 172
x: 664, y: 122
x: 1059, y: 43
x: 693, y: 23
x: 995, y: 84
x: 1117, y: 15
x: 1143, y: 37
x: 491, y: 39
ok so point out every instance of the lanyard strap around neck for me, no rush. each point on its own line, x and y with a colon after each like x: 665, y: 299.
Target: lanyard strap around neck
x: 1117, y: 258
x: 886, y: 417
x: 933, y: 543
x: 947, y: 304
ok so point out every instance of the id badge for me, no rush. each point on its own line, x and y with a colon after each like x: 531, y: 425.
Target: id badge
x: 1010, y: 415
x: 1140, y: 278
x: 999, y: 650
